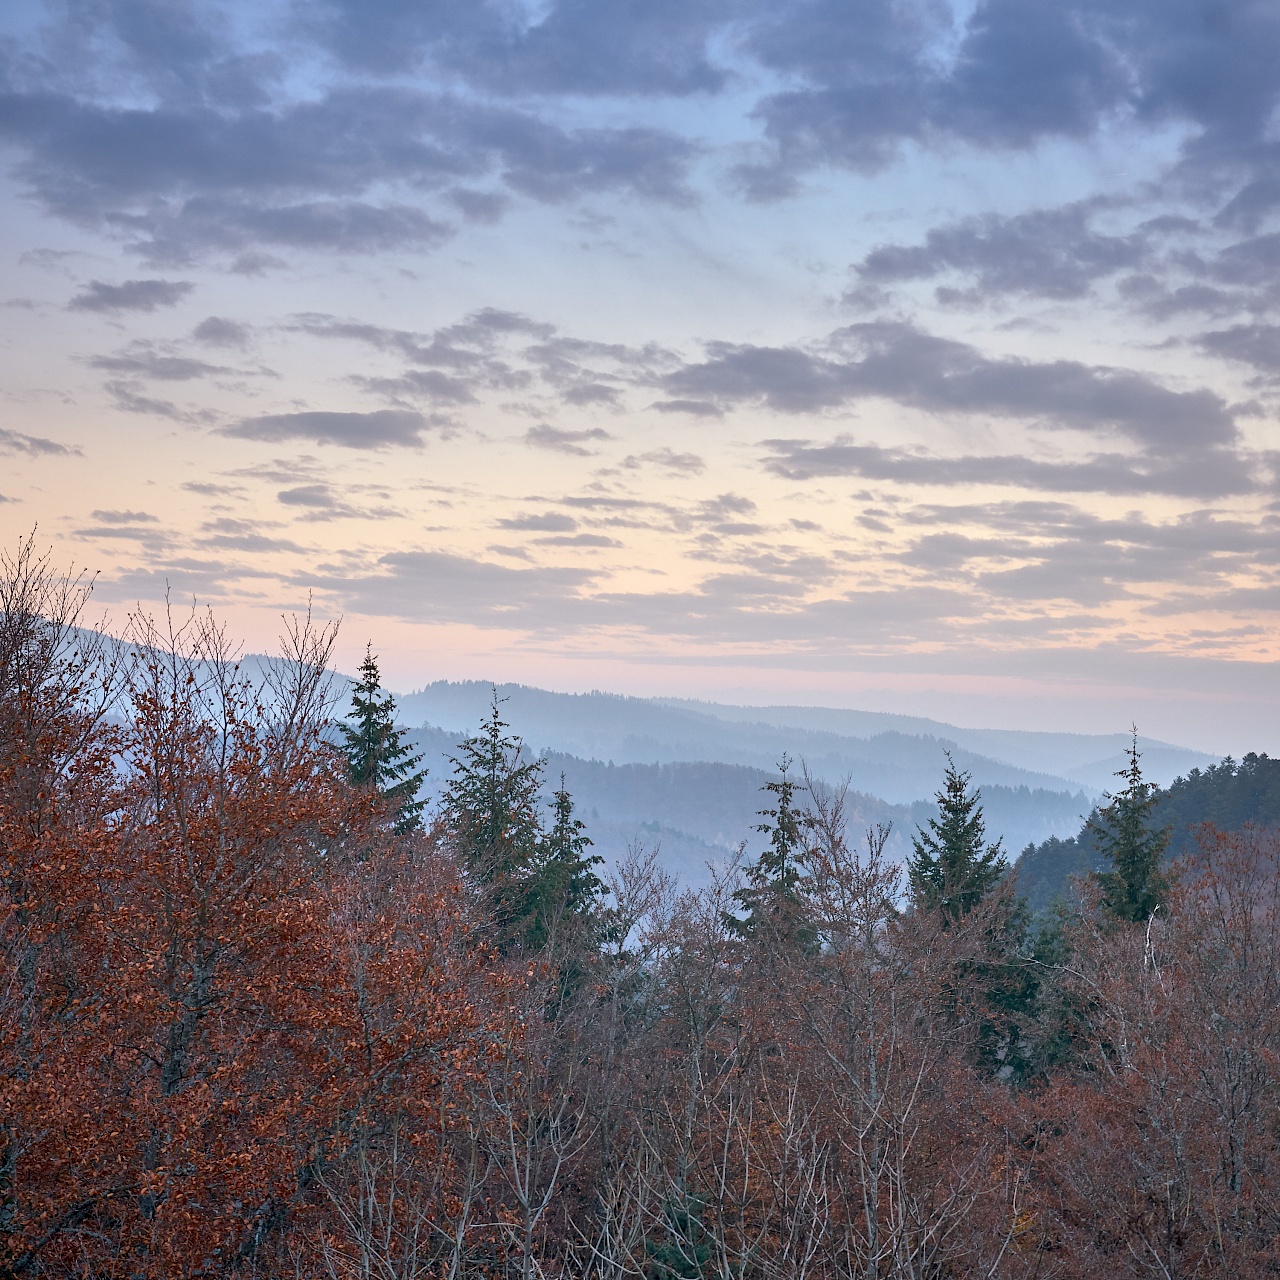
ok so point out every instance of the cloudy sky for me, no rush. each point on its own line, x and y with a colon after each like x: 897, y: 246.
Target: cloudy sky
x: 906, y: 354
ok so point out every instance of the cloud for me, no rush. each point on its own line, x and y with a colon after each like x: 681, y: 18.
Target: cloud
x: 1214, y: 474
x: 655, y: 49
x: 217, y: 331
x: 428, y: 384
x: 578, y: 540
x: 863, y: 81
x: 344, y: 169
x: 308, y: 495
x: 592, y: 393
x: 667, y: 460
x: 12, y: 442
x: 141, y: 360
x: 482, y: 207
x: 1253, y: 344
x: 321, y: 503
x: 1051, y: 253
x: 250, y: 541
x: 697, y: 408
x: 1048, y: 551
x: 132, y: 295
x: 123, y: 517
x: 546, y: 437
x: 383, y: 428
x: 153, y: 538
x: 545, y: 522
x: 207, y: 489
x: 127, y: 397
x: 217, y: 223
x: 434, y: 586
x: 901, y: 363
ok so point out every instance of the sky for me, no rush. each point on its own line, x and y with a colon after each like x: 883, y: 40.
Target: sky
x: 896, y: 354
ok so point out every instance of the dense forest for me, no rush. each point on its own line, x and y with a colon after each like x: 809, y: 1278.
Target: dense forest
x: 265, y: 1014
x: 1229, y: 795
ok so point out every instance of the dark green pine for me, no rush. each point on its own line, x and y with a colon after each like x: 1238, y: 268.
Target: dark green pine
x: 565, y: 892
x: 774, y: 893
x: 377, y: 756
x: 952, y: 867
x: 1134, y: 887
x: 491, y: 808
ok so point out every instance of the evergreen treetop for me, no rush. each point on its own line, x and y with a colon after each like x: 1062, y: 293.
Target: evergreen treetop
x: 541, y: 884
x: 491, y: 804
x: 377, y: 757
x: 775, y: 888
x: 1134, y: 887
x: 565, y: 888
x: 952, y: 867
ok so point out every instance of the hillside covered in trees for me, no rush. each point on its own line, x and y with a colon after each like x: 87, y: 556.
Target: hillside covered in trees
x: 268, y: 1012
x: 1229, y: 796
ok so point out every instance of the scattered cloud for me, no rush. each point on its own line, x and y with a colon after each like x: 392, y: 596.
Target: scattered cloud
x: 560, y: 441
x: 380, y: 429
x: 217, y: 331
x: 696, y: 408
x: 578, y: 540
x: 123, y: 517
x: 902, y: 363
x: 434, y: 586
x: 208, y: 489
x: 542, y: 521
x: 1205, y: 476
x: 1049, y: 253
x: 1257, y: 345
x: 142, y: 360
x: 668, y: 460
x: 13, y: 442
x: 131, y: 295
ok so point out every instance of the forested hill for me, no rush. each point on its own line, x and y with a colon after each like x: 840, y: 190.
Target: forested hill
x: 1230, y: 795
x: 897, y: 758
x: 697, y: 812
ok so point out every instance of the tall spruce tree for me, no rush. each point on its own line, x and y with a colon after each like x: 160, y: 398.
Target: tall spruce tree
x: 565, y: 890
x: 773, y: 896
x: 492, y: 811
x: 952, y: 867
x: 1127, y: 837
x: 377, y: 757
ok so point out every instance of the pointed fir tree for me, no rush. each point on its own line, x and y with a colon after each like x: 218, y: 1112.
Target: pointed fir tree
x: 1127, y: 837
x: 377, y: 757
x: 565, y: 886
x: 491, y: 810
x: 773, y: 896
x: 952, y: 868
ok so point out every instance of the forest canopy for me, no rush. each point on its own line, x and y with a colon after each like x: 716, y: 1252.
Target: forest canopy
x: 264, y: 1015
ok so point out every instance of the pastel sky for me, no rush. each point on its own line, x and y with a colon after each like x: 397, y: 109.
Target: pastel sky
x: 901, y: 354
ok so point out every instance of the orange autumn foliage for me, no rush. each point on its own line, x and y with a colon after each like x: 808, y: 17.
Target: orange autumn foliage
x: 224, y: 969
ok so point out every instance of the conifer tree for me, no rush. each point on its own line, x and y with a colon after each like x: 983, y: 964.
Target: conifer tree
x: 774, y: 892
x: 491, y: 808
x: 376, y: 755
x: 566, y: 883
x: 1134, y: 887
x: 952, y: 867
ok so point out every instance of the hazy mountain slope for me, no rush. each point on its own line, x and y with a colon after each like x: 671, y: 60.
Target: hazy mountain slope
x: 699, y: 811
x: 1086, y: 759
x: 896, y: 766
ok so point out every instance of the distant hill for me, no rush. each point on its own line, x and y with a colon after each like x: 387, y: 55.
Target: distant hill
x: 1083, y: 759
x: 897, y: 758
x: 1231, y: 795
x: 698, y: 812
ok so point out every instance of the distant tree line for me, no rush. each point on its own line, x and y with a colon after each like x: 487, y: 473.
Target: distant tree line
x: 264, y: 1015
